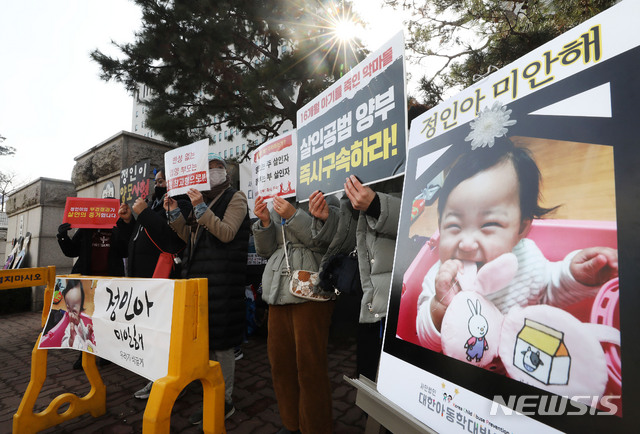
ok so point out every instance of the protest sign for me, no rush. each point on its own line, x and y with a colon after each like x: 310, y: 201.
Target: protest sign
x: 134, y: 182
x: 127, y: 321
x: 247, y: 186
x: 357, y: 126
x: 188, y: 167
x: 83, y: 212
x: 551, y: 346
x: 273, y: 167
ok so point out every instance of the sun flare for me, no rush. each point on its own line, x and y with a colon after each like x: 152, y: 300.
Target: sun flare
x: 345, y: 30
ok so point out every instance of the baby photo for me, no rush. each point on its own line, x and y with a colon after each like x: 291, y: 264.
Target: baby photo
x: 69, y: 324
x: 521, y: 251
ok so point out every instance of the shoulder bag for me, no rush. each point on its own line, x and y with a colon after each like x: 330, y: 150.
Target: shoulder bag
x: 166, y: 262
x: 304, y: 284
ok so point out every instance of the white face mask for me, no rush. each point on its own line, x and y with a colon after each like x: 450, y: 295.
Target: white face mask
x: 217, y: 176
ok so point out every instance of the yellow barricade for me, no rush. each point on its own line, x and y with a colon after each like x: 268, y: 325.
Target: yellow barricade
x: 188, y: 361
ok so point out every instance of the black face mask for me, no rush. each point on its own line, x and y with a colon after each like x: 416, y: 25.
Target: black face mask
x: 159, y: 192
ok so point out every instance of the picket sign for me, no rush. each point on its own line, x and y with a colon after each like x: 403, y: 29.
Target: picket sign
x: 188, y: 361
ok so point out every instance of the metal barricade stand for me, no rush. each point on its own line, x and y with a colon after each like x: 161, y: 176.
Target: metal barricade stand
x: 188, y: 361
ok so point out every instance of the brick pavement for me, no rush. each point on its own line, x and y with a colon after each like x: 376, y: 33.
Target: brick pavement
x: 256, y: 408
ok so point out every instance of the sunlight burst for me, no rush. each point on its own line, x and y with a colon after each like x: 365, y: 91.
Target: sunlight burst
x: 338, y: 31
x: 345, y: 30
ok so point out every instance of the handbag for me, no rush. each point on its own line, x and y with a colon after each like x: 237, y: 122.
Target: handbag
x: 304, y: 283
x: 164, y: 266
x: 166, y: 261
x: 342, y: 274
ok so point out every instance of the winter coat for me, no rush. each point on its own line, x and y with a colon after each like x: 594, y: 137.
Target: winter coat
x: 375, y: 240
x: 304, y: 254
x: 80, y: 246
x: 142, y: 252
x: 217, y: 251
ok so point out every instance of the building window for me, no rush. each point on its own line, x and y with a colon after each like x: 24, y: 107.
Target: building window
x: 225, y: 153
x: 237, y: 150
x: 226, y: 134
x: 244, y: 147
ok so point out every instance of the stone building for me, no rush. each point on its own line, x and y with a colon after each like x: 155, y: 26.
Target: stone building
x: 38, y: 207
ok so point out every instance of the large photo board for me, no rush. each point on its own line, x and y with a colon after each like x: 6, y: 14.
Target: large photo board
x: 357, y: 126
x: 513, y: 297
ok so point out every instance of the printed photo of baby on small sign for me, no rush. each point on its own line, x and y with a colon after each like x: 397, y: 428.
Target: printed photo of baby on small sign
x: 70, y: 324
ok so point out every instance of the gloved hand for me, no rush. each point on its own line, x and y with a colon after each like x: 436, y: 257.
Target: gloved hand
x: 63, y: 229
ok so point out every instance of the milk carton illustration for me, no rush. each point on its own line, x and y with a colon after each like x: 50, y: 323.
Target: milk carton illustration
x: 541, y: 353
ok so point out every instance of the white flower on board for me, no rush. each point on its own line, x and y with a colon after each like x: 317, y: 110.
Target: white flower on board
x: 490, y: 123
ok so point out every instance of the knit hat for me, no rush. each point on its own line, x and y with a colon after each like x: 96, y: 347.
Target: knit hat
x: 215, y: 156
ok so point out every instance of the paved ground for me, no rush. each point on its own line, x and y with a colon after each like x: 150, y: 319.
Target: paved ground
x: 253, y: 393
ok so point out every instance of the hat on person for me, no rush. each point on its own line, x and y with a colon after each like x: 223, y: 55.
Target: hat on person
x: 215, y: 156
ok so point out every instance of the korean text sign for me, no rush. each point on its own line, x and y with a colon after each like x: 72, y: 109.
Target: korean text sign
x: 82, y: 212
x: 134, y: 182
x: 273, y: 167
x: 568, y: 110
x: 188, y: 167
x: 127, y: 321
x: 356, y: 126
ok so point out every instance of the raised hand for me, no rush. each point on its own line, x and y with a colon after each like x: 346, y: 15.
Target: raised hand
x: 318, y: 206
x: 360, y: 195
x: 283, y: 208
x: 195, y: 196
x: 139, y: 205
x: 261, y: 211
x: 125, y: 212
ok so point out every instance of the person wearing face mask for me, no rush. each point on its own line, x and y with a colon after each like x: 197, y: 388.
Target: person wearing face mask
x: 149, y: 235
x: 217, y: 236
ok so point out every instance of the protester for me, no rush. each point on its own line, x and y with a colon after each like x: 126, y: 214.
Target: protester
x: 217, y: 236
x: 148, y: 236
x: 100, y: 252
x: 298, y: 329
x: 367, y: 220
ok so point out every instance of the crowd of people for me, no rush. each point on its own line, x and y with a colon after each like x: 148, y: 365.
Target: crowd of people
x: 208, y: 232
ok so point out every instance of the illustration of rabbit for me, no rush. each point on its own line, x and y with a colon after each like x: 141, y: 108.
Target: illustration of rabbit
x: 478, y: 327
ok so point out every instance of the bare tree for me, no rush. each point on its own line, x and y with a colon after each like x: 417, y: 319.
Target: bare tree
x: 7, y: 183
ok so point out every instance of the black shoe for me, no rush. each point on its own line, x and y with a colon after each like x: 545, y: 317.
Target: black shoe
x: 196, y: 418
x: 237, y: 352
x: 229, y: 409
x: 102, y: 362
x: 283, y: 430
x: 78, y: 363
